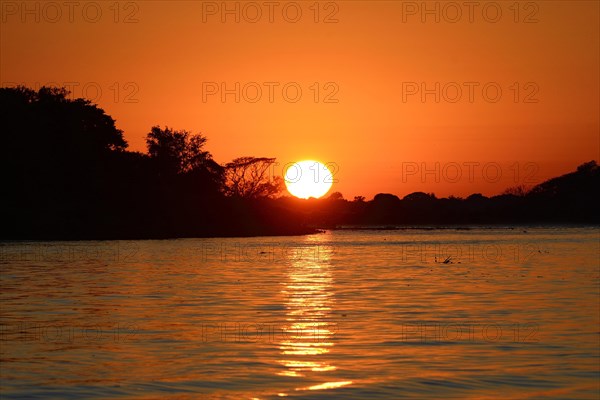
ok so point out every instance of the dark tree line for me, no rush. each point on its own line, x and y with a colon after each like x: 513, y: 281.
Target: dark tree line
x: 572, y: 198
x: 67, y: 174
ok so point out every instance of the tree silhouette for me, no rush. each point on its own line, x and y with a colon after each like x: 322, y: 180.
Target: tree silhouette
x: 58, y: 163
x: 49, y: 123
x: 67, y: 174
x: 336, y: 196
x: 251, y: 177
x: 179, y: 151
x: 519, y: 190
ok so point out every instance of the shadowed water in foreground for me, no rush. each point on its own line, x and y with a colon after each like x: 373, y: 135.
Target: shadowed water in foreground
x: 497, y: 313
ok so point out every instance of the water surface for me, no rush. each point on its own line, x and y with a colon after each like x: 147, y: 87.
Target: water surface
x: 478, y: 313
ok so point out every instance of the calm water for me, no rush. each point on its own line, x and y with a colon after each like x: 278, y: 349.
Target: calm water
x: 514, y: 313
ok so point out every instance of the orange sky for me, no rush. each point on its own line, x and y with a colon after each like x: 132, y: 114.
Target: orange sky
x: 166, y: 54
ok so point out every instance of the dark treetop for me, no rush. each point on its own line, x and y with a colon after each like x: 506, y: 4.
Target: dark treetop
x: 67, y: 174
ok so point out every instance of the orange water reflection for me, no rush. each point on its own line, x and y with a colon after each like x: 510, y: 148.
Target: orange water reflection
x: 363, y: 321
x: 309, y: 328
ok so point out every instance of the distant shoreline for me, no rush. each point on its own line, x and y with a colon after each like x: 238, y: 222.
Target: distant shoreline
x: 314, y: 231
x: 461, y: 227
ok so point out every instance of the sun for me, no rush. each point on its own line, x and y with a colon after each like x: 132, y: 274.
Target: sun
x: 308, y: 178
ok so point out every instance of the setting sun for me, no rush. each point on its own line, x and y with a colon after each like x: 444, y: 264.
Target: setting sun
x: 308, y: 178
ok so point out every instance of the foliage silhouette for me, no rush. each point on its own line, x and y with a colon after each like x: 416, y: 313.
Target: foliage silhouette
x: 250, y: 178
x: 67, y: 174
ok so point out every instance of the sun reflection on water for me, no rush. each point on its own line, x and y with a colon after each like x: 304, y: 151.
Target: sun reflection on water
x: 309, y: 302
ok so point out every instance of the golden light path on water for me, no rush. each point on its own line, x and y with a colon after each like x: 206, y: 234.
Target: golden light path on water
x: 309, y: 329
